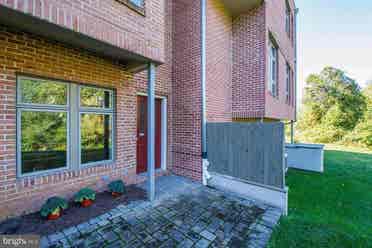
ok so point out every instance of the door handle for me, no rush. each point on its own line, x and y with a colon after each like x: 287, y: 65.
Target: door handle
x: 141, y: 134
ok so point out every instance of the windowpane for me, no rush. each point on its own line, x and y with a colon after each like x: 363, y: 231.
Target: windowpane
x: 273, y: 70
x: 36, y: 91
x: 96, y: 138
x: 43, y: 140
x: 95, y: 98
x: 139, y: 3
x: 288, y: 22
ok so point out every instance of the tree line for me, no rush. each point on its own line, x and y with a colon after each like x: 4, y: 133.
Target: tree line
x: 335, y: 109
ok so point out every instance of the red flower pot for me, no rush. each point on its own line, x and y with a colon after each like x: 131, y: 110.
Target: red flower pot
x: 86, y: 203
x: 54, y: 216
x: 115, y: 194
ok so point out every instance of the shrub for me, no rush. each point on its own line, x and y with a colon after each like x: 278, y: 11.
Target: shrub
x: 85, y: 194
x: 117, y: 187
x: 53, y: 205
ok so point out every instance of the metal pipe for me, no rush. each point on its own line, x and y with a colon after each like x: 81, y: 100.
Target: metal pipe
x: 292, y: 132
x: 203, y: 78
x: 295, y: 75
x: 296, y: 63
x: 151, y: 131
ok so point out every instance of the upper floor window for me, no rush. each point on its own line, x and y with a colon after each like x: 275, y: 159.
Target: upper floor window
x: 273, y: 69
x: 288, y: 88
x: 137, y: 5
x: 288, y: 23
x: 62, y: 125
x: 288, y: 20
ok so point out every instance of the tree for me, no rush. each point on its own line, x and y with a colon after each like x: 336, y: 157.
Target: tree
x: 333, y: 105
x: 362, y: 133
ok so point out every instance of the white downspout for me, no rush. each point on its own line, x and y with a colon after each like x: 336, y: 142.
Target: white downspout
x: 205, y: 163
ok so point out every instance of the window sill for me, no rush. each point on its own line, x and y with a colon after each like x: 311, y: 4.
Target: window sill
x: 44, y: 173
x: 139, y: 10
x: 94, y: 164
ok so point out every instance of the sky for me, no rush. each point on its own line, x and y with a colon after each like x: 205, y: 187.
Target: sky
x: 335, y: 33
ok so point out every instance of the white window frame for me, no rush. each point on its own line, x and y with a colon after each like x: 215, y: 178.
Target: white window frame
x: 74, y: 111
x: 273, y: 70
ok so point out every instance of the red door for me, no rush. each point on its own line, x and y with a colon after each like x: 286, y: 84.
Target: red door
x: 142, y: 134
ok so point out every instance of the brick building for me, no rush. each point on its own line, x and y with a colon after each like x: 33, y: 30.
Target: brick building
x: 74, y: 84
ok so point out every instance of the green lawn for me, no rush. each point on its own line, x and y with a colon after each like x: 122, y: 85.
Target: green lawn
x: 333, y: 209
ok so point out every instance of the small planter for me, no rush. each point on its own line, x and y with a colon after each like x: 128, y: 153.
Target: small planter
x: 116, y: 194
x: 53, y: 207
x: 117, y: 188
x: 85, y: 197
x: 86, y: 203
x: 54, y: 216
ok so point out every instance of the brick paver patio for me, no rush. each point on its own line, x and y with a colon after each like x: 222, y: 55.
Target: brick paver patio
x: 185, y: 214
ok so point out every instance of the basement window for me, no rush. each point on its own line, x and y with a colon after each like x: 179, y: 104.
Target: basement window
x: 62, y: 125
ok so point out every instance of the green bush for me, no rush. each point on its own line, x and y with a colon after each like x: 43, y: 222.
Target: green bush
x: 361, y: 135
x: 85, y: 194
x: 117, y: 186
x: 52, y: 205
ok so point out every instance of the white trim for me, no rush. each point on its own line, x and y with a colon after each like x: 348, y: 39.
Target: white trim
x: 164, y: 128
x: 273, y: 197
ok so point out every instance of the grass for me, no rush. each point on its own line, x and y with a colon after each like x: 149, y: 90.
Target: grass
x: 333, y: 209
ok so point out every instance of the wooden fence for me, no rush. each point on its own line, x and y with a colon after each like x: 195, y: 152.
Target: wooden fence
x: 253, y: 152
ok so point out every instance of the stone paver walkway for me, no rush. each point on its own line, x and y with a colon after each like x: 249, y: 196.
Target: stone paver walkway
x: 185, y: 214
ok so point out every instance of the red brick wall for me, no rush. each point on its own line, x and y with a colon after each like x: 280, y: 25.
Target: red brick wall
x: 277, y: 107
x: 24, y: 53
x: 107, y: 20
x: 249, y: 64
x: 219, y: 63
x: 251, y: 96
x: 186, y: 89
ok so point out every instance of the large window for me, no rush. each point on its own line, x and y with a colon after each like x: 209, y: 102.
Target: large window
x: 273, y: 69
x: 62, y: 125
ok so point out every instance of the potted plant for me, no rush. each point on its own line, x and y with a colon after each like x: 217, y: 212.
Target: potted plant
x: 85, y: 197
x: 117, y: 188
x: 53, y: 207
